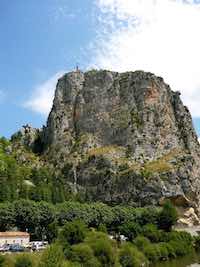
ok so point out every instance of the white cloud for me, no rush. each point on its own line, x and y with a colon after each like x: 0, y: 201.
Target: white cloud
x: 43, y: 94
x: 161, y: 36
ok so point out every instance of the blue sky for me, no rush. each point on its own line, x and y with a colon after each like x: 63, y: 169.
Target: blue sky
x: 39, y: 40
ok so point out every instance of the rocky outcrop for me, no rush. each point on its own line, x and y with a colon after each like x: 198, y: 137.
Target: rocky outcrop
x: 123, y: 137
x: 188, y: 218
x: 28, y: 137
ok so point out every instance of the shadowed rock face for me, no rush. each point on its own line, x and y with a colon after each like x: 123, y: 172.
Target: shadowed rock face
x: 123, y: 137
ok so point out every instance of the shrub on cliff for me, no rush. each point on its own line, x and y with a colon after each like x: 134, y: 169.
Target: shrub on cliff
x: 167, y: 217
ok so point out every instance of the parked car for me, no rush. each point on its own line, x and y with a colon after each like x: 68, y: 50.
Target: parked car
x: 16, y: 248
x: 4, y: 248
x: 38, y: 245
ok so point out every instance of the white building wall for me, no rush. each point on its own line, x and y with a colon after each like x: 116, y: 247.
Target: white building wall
x: 14, y: 240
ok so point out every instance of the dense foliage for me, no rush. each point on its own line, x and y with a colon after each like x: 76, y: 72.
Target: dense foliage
x: 43, y: 219
x: 23, y: 177
x: 87, y: 235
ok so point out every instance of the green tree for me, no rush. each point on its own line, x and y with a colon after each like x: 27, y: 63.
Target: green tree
x: 26, y: 215
x: 7, y: 216
x: 52, y: 257
x: 83, y: 254
x: 52, y: 231
x: 45, y: 216
x: 167, y: 217
x: 104, y: 249
x: 72, y: 233
x: 101, y: 214
x: 130, y: 230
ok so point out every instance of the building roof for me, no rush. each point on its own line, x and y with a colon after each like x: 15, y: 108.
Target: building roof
x: 14, y: 234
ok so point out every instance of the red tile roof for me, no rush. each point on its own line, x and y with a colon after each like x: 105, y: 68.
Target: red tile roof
x: 14, y: 234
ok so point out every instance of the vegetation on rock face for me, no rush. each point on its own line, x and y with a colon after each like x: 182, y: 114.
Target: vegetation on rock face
x: 24, y: 179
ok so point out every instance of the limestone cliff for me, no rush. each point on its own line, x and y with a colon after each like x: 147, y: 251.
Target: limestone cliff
x: 123, y: 137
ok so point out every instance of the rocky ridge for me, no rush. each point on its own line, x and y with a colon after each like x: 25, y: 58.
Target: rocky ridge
x: 122, y: 138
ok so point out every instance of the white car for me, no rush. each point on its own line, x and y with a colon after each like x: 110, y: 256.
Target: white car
x: 38, y: 245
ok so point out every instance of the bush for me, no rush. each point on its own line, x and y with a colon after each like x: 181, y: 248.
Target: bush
x: 52, y: 232
x: 181, y: 236
x: 152, y: 233
x: 178, y: 248
x: 52, y: 257
x: 23, y: 261
x: 129, y: 256
x: 148, y: 216
x: 181, y: 242
x: 102, y: 228
x: 141, y: 242
x: 130, y: 230
x: 163, y: 251
x: 167, y: 217
x: 171, y: 251
x: 152, y: 252
x: 103, y: 248
x: 83, y: 254
x: 72, y: 233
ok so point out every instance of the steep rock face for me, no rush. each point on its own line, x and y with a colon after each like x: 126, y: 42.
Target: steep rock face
x: 123, y: 137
